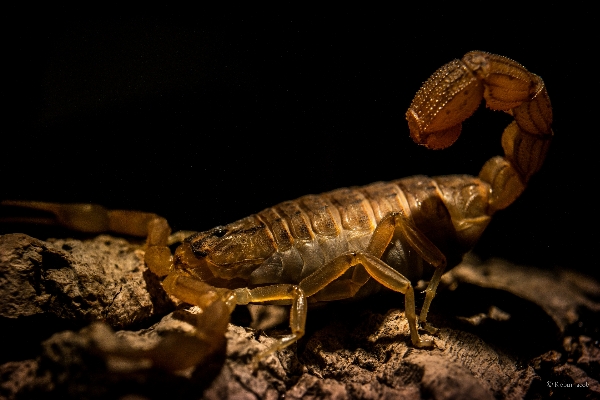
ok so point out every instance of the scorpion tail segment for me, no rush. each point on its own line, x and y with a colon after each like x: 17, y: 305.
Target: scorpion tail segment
x: 507, y: 83
x: 505, y: 183
x: 446, y: 99
x: 525, y: 141
x: 508, y: 175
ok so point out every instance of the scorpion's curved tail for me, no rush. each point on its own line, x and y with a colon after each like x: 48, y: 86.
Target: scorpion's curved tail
x: 454, y: 92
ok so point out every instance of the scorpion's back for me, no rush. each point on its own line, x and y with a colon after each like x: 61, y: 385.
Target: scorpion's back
x: 306, y: 233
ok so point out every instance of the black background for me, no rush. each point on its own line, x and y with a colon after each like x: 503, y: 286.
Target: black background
x: 208, y: 118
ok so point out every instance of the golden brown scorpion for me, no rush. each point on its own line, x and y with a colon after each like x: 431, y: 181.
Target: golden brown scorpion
x: 351, y: 241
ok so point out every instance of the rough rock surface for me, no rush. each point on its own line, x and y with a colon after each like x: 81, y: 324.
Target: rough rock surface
x: 506, y: 331
x: 101, y: 279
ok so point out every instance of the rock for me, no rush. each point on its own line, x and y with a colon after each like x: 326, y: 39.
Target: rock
x: 100, y: 279
x: 560, y: 293
x: 63, y: 284
x: 501, y: 335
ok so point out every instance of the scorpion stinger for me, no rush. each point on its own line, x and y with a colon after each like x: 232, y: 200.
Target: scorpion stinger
x: 454, y: 92
x: 328, y: 247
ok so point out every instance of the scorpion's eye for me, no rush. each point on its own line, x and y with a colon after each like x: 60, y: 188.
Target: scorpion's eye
x: 203, y: 243
x: 219, y: 231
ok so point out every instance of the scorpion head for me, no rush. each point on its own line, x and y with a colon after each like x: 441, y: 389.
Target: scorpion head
x: 228, y: 252
x: 466, y: 199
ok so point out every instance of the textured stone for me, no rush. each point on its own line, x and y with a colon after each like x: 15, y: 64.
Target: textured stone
x: 100, y: 279
x: 501, y: 335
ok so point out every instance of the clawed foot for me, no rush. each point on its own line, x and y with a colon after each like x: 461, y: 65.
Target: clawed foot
x: 424, y: 343
x: 430, y: 328
x: 279, y: 344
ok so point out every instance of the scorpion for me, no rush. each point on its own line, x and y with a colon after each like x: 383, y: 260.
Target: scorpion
x: 350, y: 242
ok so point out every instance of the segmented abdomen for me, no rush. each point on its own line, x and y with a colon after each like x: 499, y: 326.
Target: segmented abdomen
x: 311, y: 230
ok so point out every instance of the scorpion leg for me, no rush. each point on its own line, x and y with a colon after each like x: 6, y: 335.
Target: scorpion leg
x: 93, y: 218
x: 393, y: 280
x: 382, y: 236
x: 321, y: 283
x: 177, y: 351
x: 375, y: 268
x: 429, y: 295
x: 275, y: 293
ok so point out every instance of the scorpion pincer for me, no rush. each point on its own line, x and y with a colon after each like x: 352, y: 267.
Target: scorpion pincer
x: 352, y: 241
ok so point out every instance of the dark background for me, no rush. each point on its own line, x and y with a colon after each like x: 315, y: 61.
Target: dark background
x: 208, y: 118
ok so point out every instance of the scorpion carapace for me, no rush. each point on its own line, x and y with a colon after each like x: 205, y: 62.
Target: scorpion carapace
x: 328, y: 247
